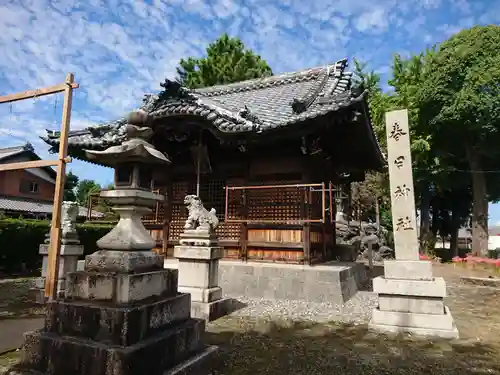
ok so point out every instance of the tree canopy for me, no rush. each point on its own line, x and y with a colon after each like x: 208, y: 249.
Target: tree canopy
x: 227, y: 60
x: 459, y: 99
x: 84, y: 189
x: 452, y: 93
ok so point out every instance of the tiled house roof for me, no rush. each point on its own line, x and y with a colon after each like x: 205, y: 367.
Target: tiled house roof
x: 21, y: 205
x: 10, y: 154
x: 253, y: 106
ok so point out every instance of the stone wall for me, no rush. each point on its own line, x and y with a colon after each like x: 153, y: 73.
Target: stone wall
x: 335, y: 283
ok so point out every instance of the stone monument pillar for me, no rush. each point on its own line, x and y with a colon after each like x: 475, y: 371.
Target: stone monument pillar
x: 122, y: 315
x: 199, y: 253
x: 410, y: 298
x: 69, y: 254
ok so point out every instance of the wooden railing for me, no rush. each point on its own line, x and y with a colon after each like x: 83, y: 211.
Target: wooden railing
x: 280, y: 204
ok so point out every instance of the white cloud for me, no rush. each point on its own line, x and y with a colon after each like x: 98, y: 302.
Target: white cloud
x: 373, y: 20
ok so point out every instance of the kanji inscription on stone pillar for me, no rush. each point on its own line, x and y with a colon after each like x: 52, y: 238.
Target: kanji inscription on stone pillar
x: 401, y: 185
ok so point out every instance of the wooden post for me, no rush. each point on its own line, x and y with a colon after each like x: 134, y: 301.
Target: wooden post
x: 244, y: 227
x: 55, y: 230
x: 167, y: 215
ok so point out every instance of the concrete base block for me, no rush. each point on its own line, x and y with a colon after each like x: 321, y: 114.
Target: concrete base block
x: 120, y: 288
x: 335, y: 282
x: 198, y: 273
x: 50, y: 353
x: 419, y: 305
x: 116, y: 325
x: 408, y: 269
x: 419, y: 324
x: 212, y: 310
x: 198, y: 252
x: 123, y: 261
x: 202, y: 294
x: 37, y: 294
x: 198, y: 238
x: 67, y: 263
x: 415, y: 306
x: 66, y: 249
x: 424, y: 288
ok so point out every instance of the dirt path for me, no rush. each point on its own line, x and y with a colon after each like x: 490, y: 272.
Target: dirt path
x: 476, y: 309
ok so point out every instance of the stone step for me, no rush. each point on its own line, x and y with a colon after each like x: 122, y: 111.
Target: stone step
x: 52, y: 354
x: 117, y: 325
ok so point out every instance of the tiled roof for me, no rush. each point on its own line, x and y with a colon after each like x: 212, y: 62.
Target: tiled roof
x: 16, y: 150
x: 256, y: 105
x: 8, y: 152
x: 36, y: 207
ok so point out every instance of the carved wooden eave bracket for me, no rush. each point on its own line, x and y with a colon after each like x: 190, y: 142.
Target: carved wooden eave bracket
x: 311, y: 146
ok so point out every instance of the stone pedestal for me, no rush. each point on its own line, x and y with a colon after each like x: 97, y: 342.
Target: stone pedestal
x: 70, y: 251
x: 68, y: 262
x: 121, y: 315
x: 410, y: 298
x: 117, y: 324
x: 199, y: 255
x: 412, y: 301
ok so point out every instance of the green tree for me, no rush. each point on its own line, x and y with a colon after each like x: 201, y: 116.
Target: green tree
x: 460, y: 99
x: 372, y: 195
x: 84, y: 189
x: 70, y: 184
x: 227, y: 61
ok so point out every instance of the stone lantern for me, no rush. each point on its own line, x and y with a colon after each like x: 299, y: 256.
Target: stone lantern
x: 127, y: 247
x: 123, y: 314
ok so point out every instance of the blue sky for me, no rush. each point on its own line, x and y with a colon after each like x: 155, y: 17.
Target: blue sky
x: 119, y: 49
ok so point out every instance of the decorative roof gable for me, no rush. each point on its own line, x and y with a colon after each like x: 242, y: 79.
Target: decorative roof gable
x: 256, y: 105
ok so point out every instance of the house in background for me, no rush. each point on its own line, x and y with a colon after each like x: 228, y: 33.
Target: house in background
x: 28, y: 192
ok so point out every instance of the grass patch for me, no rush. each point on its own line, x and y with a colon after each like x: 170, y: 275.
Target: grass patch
x: 8, y: 359
x: 252, y: 346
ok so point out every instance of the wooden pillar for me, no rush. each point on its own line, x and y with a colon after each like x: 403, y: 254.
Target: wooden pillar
x: 244, y: 227
x: 167, y: 217
x: 244, y: 212
x: 305, y: 208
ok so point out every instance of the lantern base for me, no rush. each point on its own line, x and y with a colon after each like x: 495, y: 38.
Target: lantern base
x: 123, y: 261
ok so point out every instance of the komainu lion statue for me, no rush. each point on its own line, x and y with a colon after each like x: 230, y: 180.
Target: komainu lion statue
x: 69, y: 215
x: 199, y: 217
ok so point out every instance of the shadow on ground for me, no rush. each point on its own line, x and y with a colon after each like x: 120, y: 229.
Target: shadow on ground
x: 256, y: 347
x: 235, y: 305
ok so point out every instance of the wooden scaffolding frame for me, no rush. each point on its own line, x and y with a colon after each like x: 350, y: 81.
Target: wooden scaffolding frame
x: 55, y: 228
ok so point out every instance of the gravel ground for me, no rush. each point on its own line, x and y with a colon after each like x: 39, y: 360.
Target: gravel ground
x: 357, y: 310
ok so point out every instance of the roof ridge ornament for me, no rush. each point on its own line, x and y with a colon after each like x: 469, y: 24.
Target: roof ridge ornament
x: 247, y: 114
x: 301, y: 103
x: 28, y: 147
x: 174, y: 90
x: 149, y: 102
